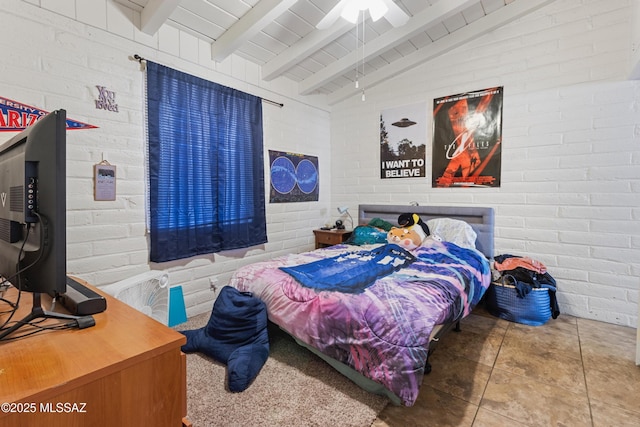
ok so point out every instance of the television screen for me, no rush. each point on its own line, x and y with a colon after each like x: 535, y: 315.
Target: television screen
x: 33, y: 207
x: 33, y: 247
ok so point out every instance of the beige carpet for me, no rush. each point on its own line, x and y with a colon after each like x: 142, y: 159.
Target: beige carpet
x: 294, y: 388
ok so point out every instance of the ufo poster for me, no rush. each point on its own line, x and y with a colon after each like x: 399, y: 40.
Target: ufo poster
x: 294, y: 177
x: 467, y: 136
x: 403, y: 133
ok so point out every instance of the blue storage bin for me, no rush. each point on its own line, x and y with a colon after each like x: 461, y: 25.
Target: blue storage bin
x: 502, y: 300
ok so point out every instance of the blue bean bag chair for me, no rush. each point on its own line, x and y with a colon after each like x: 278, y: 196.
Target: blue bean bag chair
x: 236, y: 335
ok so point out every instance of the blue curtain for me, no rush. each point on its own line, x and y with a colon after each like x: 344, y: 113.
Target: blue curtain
x: 206, y: 167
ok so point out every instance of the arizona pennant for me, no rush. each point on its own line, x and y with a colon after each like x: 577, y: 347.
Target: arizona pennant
x: 16, y: 116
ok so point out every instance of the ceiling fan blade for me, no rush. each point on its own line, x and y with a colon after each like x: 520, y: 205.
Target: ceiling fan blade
x: 332, y: 16
x: 396, y: 16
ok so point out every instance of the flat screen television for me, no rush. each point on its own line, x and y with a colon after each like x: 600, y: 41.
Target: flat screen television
x: 33, y: 247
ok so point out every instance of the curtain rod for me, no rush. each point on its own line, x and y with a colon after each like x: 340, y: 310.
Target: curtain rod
x: 277, y: 104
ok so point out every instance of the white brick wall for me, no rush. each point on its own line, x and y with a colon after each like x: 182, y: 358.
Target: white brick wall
x: 51, y: 61
x: 634, y: 69
x: 570, y: 172
x: 570, y: 193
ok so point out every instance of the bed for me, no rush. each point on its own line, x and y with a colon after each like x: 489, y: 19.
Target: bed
x: 379, y: 322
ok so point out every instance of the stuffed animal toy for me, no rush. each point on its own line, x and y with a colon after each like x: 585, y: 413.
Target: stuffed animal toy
x: 407, y: 238
x: 408, y: 220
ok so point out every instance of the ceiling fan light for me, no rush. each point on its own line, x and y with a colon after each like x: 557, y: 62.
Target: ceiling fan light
x: 377, y: 9
x: 351, y: 12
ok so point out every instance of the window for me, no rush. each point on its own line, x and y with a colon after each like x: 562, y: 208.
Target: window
x: 206, y: 168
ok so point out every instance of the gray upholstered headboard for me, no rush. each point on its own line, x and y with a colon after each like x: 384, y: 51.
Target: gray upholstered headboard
x: 481, y: 219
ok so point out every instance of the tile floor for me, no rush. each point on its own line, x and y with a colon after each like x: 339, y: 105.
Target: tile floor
x: 568, y: 372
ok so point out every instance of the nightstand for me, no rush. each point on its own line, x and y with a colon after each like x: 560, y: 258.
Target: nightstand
x: 326, y: 238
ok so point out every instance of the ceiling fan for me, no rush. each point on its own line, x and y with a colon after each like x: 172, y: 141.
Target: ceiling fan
x: 350, y: 10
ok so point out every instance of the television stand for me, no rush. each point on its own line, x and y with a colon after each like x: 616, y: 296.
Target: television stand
x: 37, y: 312
x: 128, y: 370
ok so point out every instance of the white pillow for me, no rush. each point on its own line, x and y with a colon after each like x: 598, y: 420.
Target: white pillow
x: 454, y: 231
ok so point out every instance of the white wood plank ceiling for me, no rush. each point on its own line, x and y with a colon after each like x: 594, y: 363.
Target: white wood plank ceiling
x: 281, y: 36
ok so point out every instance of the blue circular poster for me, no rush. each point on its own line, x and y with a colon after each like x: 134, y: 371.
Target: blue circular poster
x: 283, y: 175
x: 294, y: 177
x: 307, y: 176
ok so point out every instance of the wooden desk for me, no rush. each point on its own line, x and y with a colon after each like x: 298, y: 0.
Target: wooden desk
x: 127, y: 370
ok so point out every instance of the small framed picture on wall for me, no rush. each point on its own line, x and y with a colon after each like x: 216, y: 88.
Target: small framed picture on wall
x: 104, y: 178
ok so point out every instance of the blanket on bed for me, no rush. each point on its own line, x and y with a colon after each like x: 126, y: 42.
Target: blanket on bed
x: 351, y: 272
x: 382, y: 332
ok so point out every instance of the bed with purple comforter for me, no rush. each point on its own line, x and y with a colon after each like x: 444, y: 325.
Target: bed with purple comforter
x: 372, y: 307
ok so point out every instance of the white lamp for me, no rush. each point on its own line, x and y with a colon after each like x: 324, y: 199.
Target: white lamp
x: 345, y: 210
x: 377, y: 9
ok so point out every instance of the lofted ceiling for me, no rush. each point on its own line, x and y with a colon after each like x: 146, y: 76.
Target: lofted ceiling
x: 281, y: 36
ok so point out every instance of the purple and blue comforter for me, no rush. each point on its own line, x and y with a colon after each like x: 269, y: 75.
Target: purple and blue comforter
x: 382, y: 327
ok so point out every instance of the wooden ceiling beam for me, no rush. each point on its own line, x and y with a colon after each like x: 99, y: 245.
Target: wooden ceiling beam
x: 156, y: 13
x: 248, y: 26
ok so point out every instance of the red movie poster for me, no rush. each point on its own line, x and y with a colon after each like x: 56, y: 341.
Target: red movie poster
x: 467, y: 133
